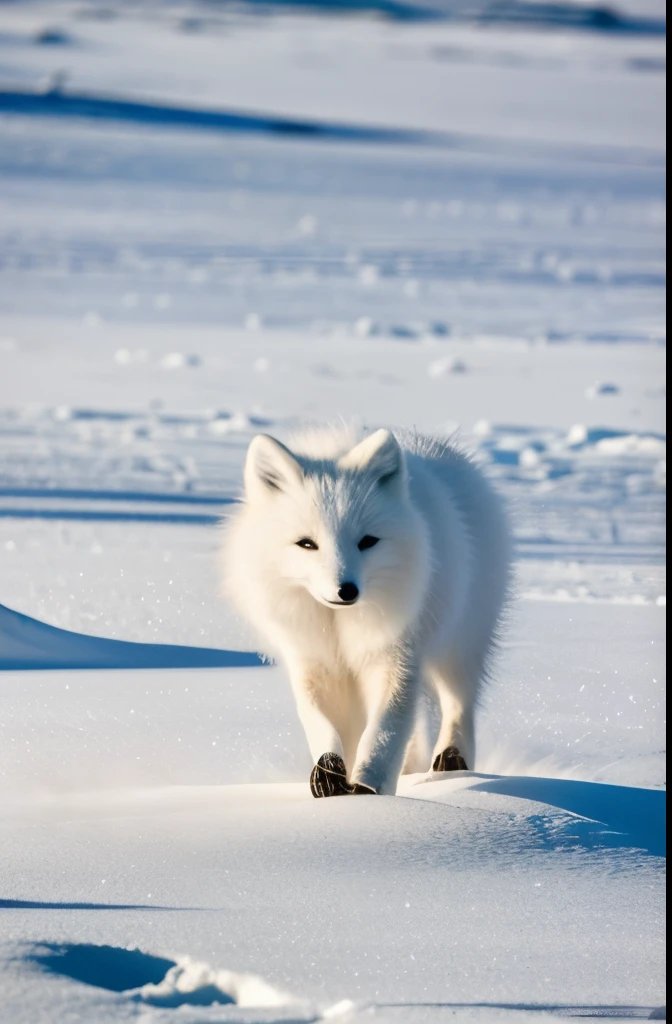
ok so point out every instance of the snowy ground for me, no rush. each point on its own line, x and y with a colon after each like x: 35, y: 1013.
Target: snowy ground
x: 494, y: 262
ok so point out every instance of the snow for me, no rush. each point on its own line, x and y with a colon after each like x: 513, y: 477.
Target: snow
x: 193, y: 983
x: 216, y: 221
x: 216, y: 865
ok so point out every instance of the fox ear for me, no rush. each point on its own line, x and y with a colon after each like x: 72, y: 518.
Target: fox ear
x: 381, y: 455
x: 270, y: 466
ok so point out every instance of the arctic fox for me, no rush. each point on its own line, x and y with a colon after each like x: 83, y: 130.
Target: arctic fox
x: 373, y: 570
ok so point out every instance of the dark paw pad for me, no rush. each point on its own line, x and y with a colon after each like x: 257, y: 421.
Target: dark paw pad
x: 328, y: 777
x: 449, y: 760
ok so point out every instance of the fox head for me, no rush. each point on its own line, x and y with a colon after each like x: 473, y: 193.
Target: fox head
x: 342, y: 528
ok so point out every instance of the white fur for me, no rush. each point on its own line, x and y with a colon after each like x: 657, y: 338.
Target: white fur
x: 431, y: 591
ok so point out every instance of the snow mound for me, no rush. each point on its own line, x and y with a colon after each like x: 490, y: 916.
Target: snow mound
x: 625, y: 816
x: 194, y: 983
x: 26, y: 643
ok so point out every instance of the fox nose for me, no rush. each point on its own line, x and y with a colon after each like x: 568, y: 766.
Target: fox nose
x: 348, y: 592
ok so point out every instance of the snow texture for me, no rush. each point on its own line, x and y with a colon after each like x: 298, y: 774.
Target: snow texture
x: 217, y: 220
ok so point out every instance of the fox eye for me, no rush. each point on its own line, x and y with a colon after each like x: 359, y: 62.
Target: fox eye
x: 368, y: 542
x: 307, y: 544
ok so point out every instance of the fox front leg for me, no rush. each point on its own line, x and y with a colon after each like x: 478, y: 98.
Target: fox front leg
x: 321, y: 733
x: 328, y: 777
x: 390, y: 690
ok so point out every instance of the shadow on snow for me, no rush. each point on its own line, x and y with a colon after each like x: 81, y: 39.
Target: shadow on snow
x: 6, y: 904
x: 96, y: 107
x: 110, y: 967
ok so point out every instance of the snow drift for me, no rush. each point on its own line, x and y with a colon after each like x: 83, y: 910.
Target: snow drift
x: 26, y: 643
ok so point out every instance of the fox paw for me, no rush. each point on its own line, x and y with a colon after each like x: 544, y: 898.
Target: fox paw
x: 328, y: 777
x: 449, y: 760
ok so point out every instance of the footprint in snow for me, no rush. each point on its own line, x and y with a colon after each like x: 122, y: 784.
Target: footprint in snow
x: 157, y: 980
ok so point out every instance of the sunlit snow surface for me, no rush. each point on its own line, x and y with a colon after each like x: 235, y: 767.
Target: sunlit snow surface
x: 450, y: 225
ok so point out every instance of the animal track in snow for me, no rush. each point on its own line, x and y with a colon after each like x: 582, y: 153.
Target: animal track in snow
x: 156, y: 980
